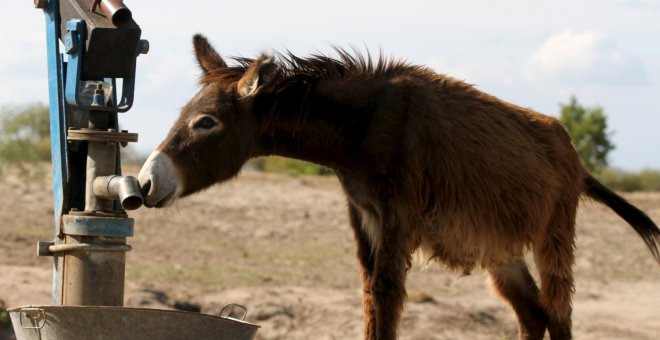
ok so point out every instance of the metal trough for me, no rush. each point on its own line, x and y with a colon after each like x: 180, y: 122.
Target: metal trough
x: 121, y: 323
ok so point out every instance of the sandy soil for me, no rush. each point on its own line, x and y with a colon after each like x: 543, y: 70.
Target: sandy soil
x: 282, y: 246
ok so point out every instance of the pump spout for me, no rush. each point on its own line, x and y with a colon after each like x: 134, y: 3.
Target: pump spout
x: 125, y: 189
x: 116, y: 11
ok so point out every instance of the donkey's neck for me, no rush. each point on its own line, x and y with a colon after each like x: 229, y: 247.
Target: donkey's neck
x: 321, y: 123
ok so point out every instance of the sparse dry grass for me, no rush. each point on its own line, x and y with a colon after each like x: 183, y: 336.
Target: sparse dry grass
x: 276, y: 241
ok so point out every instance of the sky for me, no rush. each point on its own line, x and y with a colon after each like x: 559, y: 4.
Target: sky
x: 532, y: 53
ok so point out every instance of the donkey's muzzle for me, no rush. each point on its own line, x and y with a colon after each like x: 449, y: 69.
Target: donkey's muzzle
x: 160, y: 181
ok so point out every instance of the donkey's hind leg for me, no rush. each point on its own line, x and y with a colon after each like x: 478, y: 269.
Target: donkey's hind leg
x: 514, y: 283
x: 388, y: 286
x: 554, y: 259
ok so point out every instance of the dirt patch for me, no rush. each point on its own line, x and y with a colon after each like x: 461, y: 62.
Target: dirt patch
x: 282, y: 246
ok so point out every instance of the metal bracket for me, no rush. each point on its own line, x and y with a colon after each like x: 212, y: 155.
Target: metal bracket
x: 63, y: 248
x: 74, y: 46
x: 231, y: 307
x: 49, y: 248
x: 42, y: 248
x: 35, y: 315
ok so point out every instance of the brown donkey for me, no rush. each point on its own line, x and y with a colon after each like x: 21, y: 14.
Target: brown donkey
x: 427, y: 163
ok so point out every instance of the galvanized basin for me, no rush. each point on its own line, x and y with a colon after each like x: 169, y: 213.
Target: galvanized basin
x: 121, y: 323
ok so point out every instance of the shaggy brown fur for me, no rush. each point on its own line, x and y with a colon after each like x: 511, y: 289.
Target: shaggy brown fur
x: 426, y: 161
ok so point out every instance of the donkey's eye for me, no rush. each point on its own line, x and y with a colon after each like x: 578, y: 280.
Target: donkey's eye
x: 205, y: 122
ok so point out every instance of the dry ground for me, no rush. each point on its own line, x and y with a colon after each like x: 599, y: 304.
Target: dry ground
x: 282, y: 246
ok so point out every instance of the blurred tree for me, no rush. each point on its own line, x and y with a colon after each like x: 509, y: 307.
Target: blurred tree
x: 4, y: 315
x: 588, y: 130
x: 25, y: 133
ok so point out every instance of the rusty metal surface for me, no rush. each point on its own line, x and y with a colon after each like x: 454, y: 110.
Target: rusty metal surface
x: 94, y: 278
x: 101, y: 161
x: 117, y: 323
x: 109, y: 136
x: 116, y: 213
x: 40, y: 4
x: 97, y: 225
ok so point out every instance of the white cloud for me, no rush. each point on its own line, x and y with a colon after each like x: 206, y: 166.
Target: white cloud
x: 585, y: 58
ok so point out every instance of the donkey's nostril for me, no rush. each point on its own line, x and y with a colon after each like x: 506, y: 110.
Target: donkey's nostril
x: 145, y: 187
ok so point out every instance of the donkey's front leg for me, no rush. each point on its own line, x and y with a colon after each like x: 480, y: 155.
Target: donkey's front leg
x: 366, y: 258
x: 388, y: 288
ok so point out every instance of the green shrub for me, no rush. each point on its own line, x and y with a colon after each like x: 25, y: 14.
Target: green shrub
x: 289, y: 166
x: 4, y: 314
x: 650, y: 179
x: 25, y: 133
x: 621, y: 180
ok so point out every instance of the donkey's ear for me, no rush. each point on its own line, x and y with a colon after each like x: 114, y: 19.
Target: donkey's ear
x: 259, y: 75
x: 206, y: 55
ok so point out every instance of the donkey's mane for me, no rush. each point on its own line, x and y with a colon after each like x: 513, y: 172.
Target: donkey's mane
x: 319, y: 66
x: 294, y: 86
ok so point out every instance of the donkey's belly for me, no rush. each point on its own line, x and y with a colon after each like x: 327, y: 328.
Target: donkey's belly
x: 465, y: 248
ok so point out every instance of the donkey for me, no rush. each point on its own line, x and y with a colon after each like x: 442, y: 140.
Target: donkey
x: 427, y: 162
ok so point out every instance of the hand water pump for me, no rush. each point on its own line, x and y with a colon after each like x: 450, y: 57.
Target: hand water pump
x: 101, y: 42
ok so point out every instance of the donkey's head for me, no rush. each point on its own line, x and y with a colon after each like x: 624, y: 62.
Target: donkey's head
x: 216, y: 131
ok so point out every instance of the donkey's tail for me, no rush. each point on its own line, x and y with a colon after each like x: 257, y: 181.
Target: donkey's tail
x: 642, y: 224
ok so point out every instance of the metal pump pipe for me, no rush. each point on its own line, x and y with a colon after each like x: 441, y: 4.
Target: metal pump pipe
x: 125, y: 189
x: 116, y: 11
